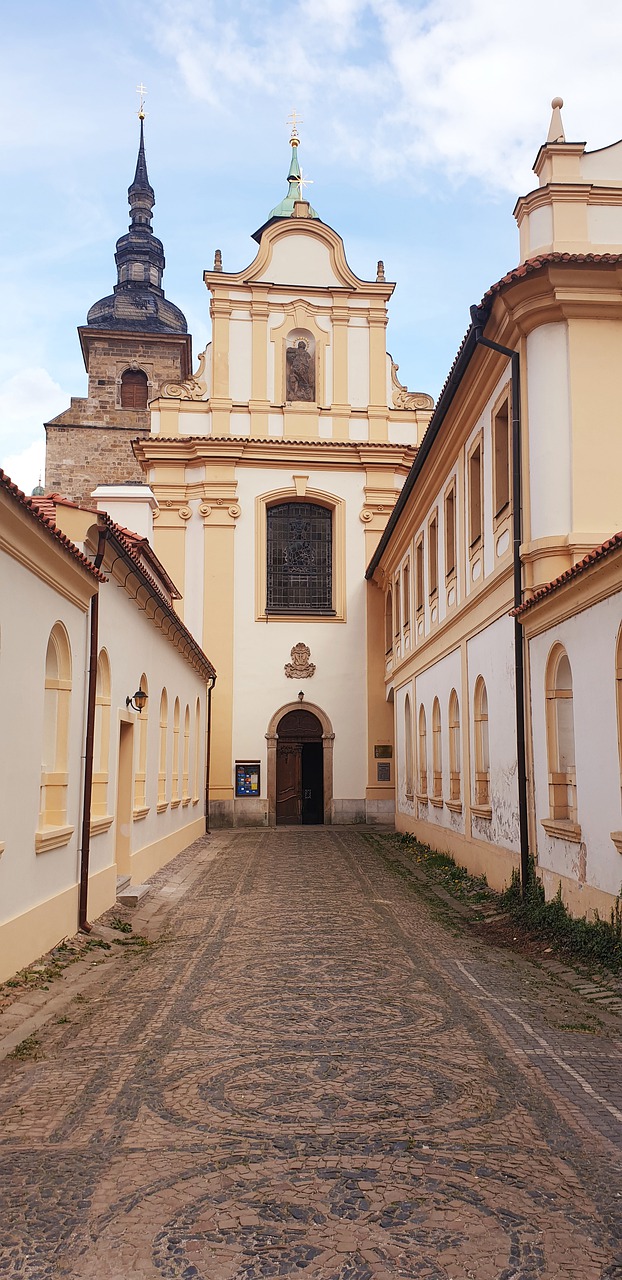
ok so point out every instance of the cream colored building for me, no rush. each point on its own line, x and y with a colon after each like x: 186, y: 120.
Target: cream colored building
x: 275, y: 469
x: 516, y: 480
x: 147, y: 800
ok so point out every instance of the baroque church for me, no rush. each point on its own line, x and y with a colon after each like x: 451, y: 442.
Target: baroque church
x: 268, y: 477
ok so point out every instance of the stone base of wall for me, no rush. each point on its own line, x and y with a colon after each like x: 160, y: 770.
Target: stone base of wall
x: 580, y: 899
x: 380, y: 813
x: 479, y: 858
x: 28, y: 936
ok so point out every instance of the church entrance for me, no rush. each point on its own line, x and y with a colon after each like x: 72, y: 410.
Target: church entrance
x: 299, y: 769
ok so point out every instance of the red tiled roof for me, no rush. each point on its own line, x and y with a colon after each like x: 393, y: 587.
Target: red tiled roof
x: 30, y: 505
x: 547, y: 260
x: 614, y: 543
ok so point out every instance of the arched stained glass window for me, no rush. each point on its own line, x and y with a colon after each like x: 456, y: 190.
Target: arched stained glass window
x: 300, y: 558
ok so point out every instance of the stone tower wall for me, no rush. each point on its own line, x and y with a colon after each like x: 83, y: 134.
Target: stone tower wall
x: 90, y: 443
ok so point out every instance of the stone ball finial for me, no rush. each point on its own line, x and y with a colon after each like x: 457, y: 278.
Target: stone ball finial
x: 557, y: 103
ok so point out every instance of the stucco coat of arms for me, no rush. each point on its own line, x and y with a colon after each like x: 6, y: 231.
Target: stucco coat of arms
x: 299, y: 668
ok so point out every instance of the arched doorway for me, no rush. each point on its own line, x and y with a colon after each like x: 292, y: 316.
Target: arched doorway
x: 300, y: 766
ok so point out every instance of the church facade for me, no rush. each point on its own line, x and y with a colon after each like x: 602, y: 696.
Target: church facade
x: 274, y: 470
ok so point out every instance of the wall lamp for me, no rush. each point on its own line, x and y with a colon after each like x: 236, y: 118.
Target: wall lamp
x: 138, y: 701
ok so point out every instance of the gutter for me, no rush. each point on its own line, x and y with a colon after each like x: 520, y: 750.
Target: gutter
x: 85, y: 850
x: 478, y: 321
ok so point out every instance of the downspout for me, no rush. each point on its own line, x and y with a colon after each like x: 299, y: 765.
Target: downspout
x: 478, y: 320
x: 208, y: 750
x: 83, y: 923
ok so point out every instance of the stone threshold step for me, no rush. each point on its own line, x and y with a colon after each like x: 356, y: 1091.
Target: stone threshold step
x: 133, y: 894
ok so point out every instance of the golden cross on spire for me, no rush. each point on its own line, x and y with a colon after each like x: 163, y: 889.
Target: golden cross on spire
x: 294, y: 120
x: 141, y: 91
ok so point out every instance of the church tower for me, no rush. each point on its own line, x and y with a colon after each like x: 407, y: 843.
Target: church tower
x: 132, y: 342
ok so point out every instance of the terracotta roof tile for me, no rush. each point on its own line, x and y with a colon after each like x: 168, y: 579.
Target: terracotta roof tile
x: 614, y: 543
x: 47, y: 522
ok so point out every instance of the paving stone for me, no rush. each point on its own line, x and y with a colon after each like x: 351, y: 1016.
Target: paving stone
x: 306, y: 1074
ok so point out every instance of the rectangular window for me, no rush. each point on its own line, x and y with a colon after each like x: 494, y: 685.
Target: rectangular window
x: 450, y: 533
x: 398, y: 620
x: 475, y: 496
x: 433, y: 555
x: 419, y: 575
x: 501, y: 449
x: 406, y: 594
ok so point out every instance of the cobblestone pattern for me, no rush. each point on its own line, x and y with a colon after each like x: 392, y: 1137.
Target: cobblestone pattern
x: 312, y: 1075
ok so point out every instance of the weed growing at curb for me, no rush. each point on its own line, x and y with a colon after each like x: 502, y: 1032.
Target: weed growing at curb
x: 26, y: 1049
x: 596, y: 939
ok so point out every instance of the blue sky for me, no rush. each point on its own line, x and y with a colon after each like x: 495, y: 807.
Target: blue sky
x: 420, y: 125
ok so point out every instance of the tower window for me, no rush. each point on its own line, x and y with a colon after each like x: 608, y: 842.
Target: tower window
x: 134, y: 389
x: 300, y: 558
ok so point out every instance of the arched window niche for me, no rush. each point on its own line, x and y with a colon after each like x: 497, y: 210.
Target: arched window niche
x: 482, y: 807
x: 175, y: 795
x: 408, y: 747
x: 437, y: 754
x: 134, y: 389
x: 53, y: 830
x: 423, y: 755
x: 101, y: 820
x: 196, y: 772
x: 455, y: 790
x: 162, y: 753
x: 141, y: 808
x: 185, y: 773
x: 562, y: 820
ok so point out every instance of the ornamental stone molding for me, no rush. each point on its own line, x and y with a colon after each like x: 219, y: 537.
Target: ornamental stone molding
x: 194, y: 388
x: 300, y: 668
x: 403, y: 398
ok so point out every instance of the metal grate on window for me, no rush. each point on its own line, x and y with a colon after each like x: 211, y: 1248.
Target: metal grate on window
x: 300, y: 559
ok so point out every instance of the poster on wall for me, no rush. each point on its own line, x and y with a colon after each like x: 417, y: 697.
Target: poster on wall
x: 247, y: 777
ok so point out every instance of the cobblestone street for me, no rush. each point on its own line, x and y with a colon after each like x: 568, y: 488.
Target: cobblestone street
x: 310, y: 1072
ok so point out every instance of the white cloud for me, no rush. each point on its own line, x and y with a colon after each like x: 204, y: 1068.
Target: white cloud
x: 28, y: 398
x: 25, y: 468
x: 410, y: 89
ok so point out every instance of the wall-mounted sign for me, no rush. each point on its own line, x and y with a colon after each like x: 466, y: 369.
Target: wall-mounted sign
x: 383, y: 772
x: 383, y: 752
x: 247, y: 778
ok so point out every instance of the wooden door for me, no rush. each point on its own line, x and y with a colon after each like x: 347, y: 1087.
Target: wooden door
x: 289, y: 782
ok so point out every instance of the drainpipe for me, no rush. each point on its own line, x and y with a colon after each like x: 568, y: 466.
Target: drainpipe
x: 478, y: 321
x: 208, y: 750
x: 83, y: 923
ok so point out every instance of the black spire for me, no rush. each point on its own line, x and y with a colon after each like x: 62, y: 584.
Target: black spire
x: 138, y: 301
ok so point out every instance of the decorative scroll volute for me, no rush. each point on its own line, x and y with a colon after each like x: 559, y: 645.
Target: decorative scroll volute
x: 194, y: 388
x: 402, y: 398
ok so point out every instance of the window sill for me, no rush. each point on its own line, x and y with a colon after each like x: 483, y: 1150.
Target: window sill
x: 102, y: 822
x: 195, y: 799
x: 185, y: 802
x: 175, y: 803
x: 2, y: 847
x: 454, y: 806
x: 332, y: 615
x: 562, y: 829
x: 141, y: 813
x: 423, y: 799
x: 437, y: 801
x: 483, y: 811
x: 410, y: 795
x: 616, y: 836
x: 52, y: 838
x: 162, y: 806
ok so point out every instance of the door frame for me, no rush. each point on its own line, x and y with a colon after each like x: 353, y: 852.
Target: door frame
x: 328, y: 738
